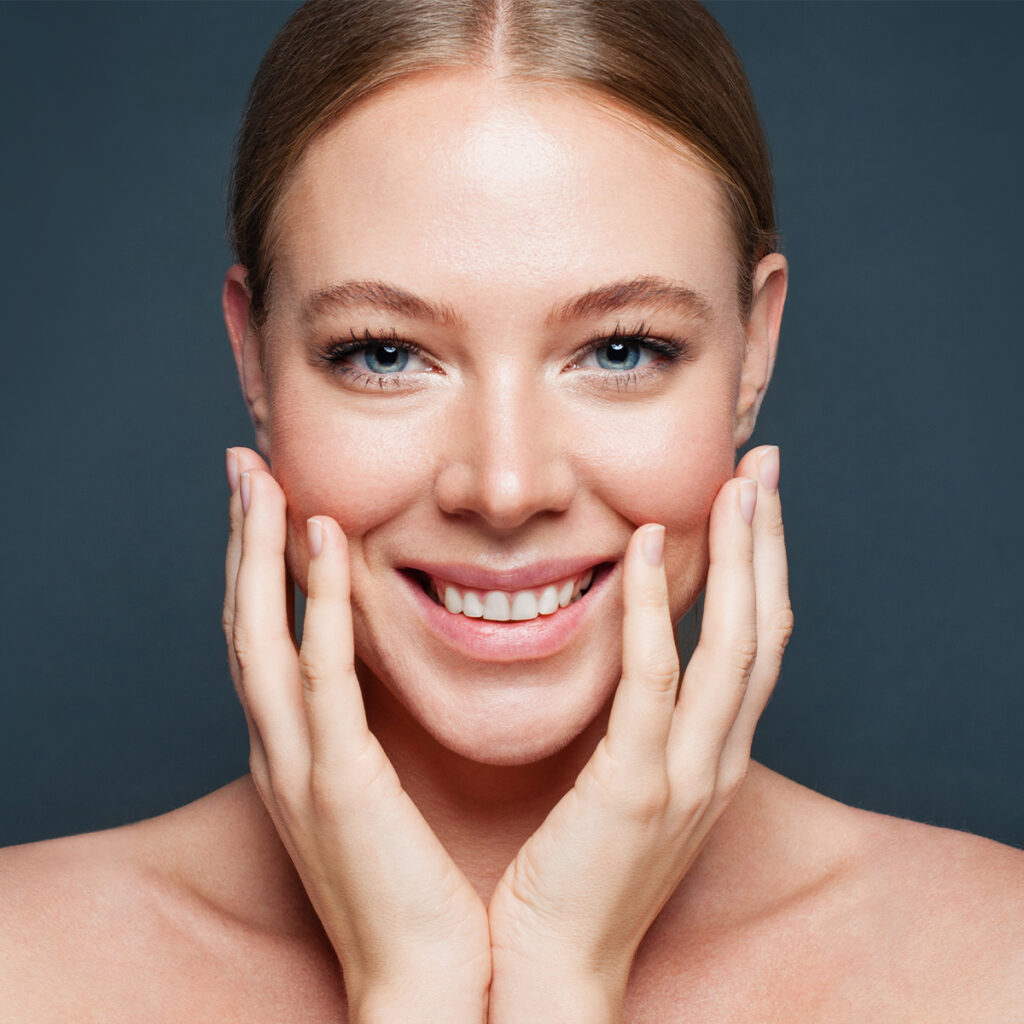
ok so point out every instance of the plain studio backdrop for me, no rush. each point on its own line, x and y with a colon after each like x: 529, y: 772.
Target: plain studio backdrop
x: 897, y: 142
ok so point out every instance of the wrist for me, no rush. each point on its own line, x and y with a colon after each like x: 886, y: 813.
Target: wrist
x: 527, y: 994
x: 439, y: 1000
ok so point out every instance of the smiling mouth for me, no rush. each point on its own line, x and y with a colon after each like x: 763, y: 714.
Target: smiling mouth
x: 508, y: 606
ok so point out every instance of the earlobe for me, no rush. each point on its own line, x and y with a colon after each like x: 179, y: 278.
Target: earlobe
x: 245, y: 347
x: 761, y: 331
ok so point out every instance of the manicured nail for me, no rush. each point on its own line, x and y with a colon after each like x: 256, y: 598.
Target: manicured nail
x: 232, y: 466
x: 654, y: 545
x: 315, y: 536
x: 748, y: 499
x: 246, y: 491
x: 768, y: 470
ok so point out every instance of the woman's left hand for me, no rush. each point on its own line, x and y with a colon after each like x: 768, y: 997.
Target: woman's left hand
x: 569, y: 913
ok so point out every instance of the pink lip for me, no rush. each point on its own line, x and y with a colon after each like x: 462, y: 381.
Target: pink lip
x: 527, y: 577
x: 506, y: 642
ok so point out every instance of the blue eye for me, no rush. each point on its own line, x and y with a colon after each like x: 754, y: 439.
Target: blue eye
x: 374, y: 360
x: 618, y: 355
x: 385, y: 358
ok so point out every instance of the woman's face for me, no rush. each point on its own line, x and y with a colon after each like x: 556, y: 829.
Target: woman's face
x: 462, y: 268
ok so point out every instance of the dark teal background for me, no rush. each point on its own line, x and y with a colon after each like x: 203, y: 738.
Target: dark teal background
x: 898, y: 147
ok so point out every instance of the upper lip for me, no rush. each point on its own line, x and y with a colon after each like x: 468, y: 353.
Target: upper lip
x: 526, y: 577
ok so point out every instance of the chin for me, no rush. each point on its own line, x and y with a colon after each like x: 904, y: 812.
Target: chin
x: 496, y: 721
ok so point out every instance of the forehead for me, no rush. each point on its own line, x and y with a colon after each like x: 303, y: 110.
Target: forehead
x: 499, y: 190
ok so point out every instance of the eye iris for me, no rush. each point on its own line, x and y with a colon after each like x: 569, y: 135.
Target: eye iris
x: 386, y: 359
x: 618, y: 355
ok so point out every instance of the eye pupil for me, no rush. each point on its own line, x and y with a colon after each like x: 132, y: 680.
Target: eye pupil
x: 386, y: 358
x: 619, y: 355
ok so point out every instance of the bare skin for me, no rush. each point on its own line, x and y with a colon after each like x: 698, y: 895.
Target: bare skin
x: 799, y: 909
x: 384, y: 741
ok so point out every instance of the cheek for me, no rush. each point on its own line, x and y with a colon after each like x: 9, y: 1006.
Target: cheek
x: 359, y: 470
x: 671, y: 474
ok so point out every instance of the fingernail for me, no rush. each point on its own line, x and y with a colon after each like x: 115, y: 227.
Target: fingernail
x: 654, y: 545
x: 768, y: 470
x: 232, y: 465
x: 315, y: 536
x: 246, y: 491
x: 748, y: 499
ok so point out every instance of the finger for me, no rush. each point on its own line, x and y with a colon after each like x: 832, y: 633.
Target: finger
x: 334, y: 703
x: 641, y: 714
x: 238, y: 460
x: 717, y: 675
x: 266, y: 655
x: 774, y: 613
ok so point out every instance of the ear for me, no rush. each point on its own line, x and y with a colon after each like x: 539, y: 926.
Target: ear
x: 245, y: 346
x: 771, y: 277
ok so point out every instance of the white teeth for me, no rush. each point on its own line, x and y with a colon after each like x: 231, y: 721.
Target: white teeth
x: 500, y: 606
x: 524, y: 607
x: 496, y: 606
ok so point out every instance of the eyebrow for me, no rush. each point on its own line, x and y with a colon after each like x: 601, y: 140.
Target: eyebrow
x: 379, y: 295
x: 649, y: 291
x: 653, y: 292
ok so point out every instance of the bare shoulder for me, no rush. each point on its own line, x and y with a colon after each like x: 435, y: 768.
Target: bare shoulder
x: 107, y: 926
x: 925, y: 923
x: 857, y: 915
x: 69, y: 907
x: 954, y: 905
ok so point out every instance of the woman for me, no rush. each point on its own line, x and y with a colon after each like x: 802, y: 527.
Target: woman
x: 499, y: 339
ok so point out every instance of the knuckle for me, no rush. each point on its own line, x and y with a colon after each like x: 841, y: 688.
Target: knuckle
x: 258, y: 769
x: 731, y: 777
x: 314, y: 678
x: 227, y: 623
x: 244, y: 645
x: 783, y: 626
x: 698, y: 802
x: 663, y: 674
x: 325, y: 796
x: 775, y: 527
x: 285, y: 785
x: 743, y: 655
x: 650, y: 802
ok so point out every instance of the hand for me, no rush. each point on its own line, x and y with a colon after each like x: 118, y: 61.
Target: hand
x: 570, y: 911
x: 410, y: 932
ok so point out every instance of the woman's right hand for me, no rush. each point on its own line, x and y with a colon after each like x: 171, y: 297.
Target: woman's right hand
x: 409, y: 930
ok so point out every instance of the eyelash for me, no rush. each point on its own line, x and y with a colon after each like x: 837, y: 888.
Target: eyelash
x: 337, y: 350
x: 671, y: 349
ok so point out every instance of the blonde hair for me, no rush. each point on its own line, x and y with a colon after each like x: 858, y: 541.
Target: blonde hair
x: 666, y: 60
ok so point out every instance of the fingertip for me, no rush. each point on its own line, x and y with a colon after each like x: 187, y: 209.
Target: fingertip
x: 328, y: 556
x: 245, y: 492
x: 231, y: 465
x: 768, y: 469
x: 652, y: 545
x: 314, y: 536
x: 747, y: 499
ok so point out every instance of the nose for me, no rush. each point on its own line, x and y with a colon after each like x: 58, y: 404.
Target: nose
x: 508, y: 456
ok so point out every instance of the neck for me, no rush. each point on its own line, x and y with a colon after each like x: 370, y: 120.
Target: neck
x: 481, y: 813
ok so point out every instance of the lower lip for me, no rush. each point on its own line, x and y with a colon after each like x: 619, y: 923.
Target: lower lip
x: 506, y: 642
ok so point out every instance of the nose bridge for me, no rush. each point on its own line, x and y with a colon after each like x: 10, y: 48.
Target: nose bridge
x: 507, y: 464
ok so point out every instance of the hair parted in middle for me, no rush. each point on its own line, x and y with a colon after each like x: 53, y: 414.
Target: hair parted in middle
x: 665, y: 61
